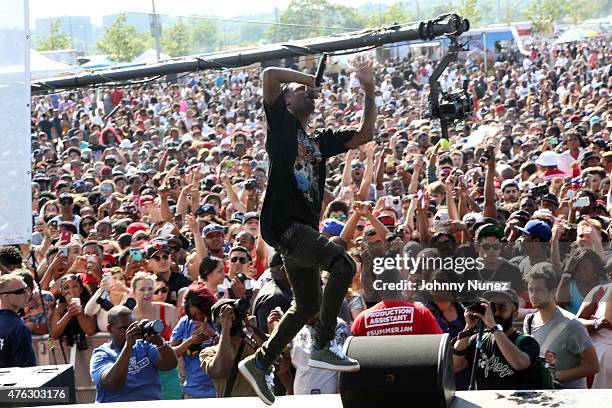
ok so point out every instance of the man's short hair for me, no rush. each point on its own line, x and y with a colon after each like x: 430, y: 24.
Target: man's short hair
x: 6, y: 279
x: 117, y: 312
x: 238, y: 248
x: 10, y: 256
x: 544, y: 271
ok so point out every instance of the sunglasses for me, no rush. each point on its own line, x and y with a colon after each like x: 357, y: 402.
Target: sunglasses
x: 162, y: 290
x: 158, y: 258
x: 65, y: 202
x: 174, y: 248
x: 19, y: 291
x: 491, y: 247
x: 235, y: 259
x: 338, y: 217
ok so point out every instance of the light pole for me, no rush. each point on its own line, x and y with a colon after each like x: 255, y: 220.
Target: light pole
x: 156, y: 30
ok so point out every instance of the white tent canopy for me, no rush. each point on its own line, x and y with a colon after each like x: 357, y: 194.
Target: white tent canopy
x: 150, y: 55
x: 43, y: 67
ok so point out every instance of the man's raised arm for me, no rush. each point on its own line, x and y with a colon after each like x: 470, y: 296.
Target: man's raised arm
x: 370, y: 112
x: 274, y: 77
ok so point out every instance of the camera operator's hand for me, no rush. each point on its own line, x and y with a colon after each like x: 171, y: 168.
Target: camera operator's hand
x: 488, y: 319
x: 132, y: 334
x: 226, y: 316
x: 237, y: 288
x: 471, y: 319
x: 154, y: 339
x: 274, y: 318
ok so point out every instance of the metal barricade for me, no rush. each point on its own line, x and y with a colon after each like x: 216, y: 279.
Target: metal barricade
x: 85, y: 388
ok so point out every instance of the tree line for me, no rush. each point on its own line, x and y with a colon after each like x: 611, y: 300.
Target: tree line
x: 313, y: 18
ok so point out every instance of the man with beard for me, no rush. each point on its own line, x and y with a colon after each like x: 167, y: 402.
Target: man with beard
x: 510, y: 191
x: 502, y: 364
x: 214, y: 239
x: 291, y: 213
x: 564, y: 342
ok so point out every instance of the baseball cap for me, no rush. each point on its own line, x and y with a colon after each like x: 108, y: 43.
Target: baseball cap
x: 135, y: 227
x: 522, y: 214
x: 332, y: 227
x: 250, y: 216
x: 237, y: 217
x: 600, y: 143
x: 156, y: 246
x: 210, y: 228
x: 125, y: 144
x: 550, y: 197
x: 206, y: 209
x: 509, y: 182
x: 538, y: 229
x: 472, y: 218
x: 590, y: 155
x: 547, y: 159
x: 489, y: 230
x: 502, y: 296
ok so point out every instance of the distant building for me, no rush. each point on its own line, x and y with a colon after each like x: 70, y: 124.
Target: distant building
x: 80, y: 31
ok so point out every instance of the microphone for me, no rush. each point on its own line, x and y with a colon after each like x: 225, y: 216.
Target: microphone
x: 321, y: 69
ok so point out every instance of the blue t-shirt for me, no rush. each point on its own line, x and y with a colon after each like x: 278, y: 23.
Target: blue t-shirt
x: 197, y: 383
x: 15, y: 341
x: 142, y: 381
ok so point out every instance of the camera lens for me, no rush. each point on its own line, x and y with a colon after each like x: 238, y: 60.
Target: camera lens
x: 151, y: 327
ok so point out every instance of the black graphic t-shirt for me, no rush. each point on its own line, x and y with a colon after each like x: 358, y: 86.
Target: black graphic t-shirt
x: 297, y: 172
x: 493, y: 372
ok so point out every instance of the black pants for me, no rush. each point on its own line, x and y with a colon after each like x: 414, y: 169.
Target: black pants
x: 305, y: 254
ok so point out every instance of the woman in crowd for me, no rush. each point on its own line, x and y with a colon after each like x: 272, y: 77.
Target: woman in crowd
x: 143, y: 285
x: 68, y: 320
x: 113, y: 291
x: 584, y: 270
x: 211, y: 273
x: 87, y: 224
x: 191, y: 335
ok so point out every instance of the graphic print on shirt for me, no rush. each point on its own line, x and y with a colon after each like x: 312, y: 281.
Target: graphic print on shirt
x: 136, y: 366
x: 308, y: 156
x: 494, y: 365
x: 394, y: 320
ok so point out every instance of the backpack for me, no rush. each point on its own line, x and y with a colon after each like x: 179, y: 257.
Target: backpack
x: 539, y: 374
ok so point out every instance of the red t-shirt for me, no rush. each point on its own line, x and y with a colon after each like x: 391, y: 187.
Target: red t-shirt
x: 395, y: 317
x: 116, y: 96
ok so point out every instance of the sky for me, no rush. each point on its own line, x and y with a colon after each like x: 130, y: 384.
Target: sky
x: 229, y: 8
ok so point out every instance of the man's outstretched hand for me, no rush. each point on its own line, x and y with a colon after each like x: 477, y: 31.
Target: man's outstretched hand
x: 364, y: 72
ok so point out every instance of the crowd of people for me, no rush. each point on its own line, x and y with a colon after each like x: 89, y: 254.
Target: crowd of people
x: 146, y: 203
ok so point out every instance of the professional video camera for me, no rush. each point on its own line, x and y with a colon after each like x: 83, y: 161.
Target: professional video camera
x: 450, y: 106
x: 457, y: 105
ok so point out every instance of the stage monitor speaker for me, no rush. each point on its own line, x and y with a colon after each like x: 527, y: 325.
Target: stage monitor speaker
x: 38, y: 377
x: 417, y: 369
